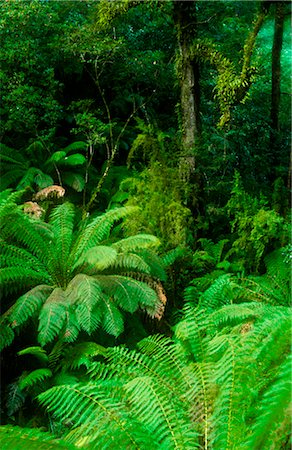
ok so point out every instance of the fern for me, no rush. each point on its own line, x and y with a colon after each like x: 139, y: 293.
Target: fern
x: 34, y: 377
x: 6, y: 335
x: 76, y: 281
x: 17, y: 438
x: 196, y: 390
x: 29, y: 304
x: 38, y: 352
x: 274, y: 404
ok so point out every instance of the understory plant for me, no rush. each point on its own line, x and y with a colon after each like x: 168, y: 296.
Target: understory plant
x: 72, y: 277
x: 222, y: 382
x: 39, y: 167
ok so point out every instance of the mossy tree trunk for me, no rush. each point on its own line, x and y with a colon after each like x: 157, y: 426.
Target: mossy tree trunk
x: 188, y: 74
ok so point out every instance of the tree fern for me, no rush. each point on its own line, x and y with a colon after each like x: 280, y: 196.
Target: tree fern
x: 76, y: 281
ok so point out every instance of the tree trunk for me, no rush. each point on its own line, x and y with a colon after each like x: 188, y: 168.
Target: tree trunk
x: 276, y: 71
x: 188, y: 74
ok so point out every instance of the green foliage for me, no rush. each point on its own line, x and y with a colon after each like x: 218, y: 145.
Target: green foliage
x: 73, y: 277
x: 159, y: 194
x: 16, y: 438
x: 28, y: 169
x: 211, y: 386
x: 256, y: 226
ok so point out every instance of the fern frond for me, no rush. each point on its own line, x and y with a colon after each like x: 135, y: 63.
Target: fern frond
x: 97, y: 258
x: 271, y: 429
x: 78, y: 145
x: 161, y: 415
x: 113, y: 321
x: 74, y: 180
x: 17, y: 438
x: 82, y: 354
x: 228, y: 315
x: 129, y: 294
x: 15, y: 278
x: 11, y: 253
x: 6, y: 335
x: 38, y: 352
x: 52, y: 316
x: 28, y: 304
x: 95, y: 231
x: 10, y: 178
x: 25, y: 231
x: 131, y: 261
x: 137, y: 242
x: 87, y: 405
x: 15, y: 399
x: 38, y: 375
x: 62, y: 223
x: 171, y: 256
x: 155, y: 263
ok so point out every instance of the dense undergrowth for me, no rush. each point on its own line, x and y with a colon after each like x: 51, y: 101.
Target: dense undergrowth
x: 145, y: 266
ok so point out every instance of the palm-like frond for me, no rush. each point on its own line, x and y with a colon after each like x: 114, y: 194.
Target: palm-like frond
x: 62, y: 224
x: 98, y: 229
x: 76, y: 281
x: 29, y: 304
x: 34, y: 377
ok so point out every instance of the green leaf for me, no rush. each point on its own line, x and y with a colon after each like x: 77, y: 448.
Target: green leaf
x: 73, y: 160
x: 98, y: 257
x: 79, y: 145
x: 52, y: 316
x: 35, y: 377
x: 56, y: 157
x: 17, y: 438
x: 38, y: 352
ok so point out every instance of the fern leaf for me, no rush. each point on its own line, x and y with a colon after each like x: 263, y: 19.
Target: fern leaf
x: 15, y: 399
x: 129, y: 293
x: 10, y: 253
x: 26, y: 232
x: 62, y: 223
x: 6, y: 335
x: 52, y: 316
x: 94, y: 232
x: 130, y: 261
x: 113, y: 321
x: 82, y: 354
x: 160, y: 415
x: 137, y: 242
x: 270, y: 427
x: 86, y: 404
x: 35, y: 377
x: 228, y: 315
x: 74, y: 180
x: 16, y: 438
x: 98, y: 258
x: 29, y: 304
x: 15, y: 278
x: 38, y: 352
x: 10, y: 178
x: 78, y: 145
